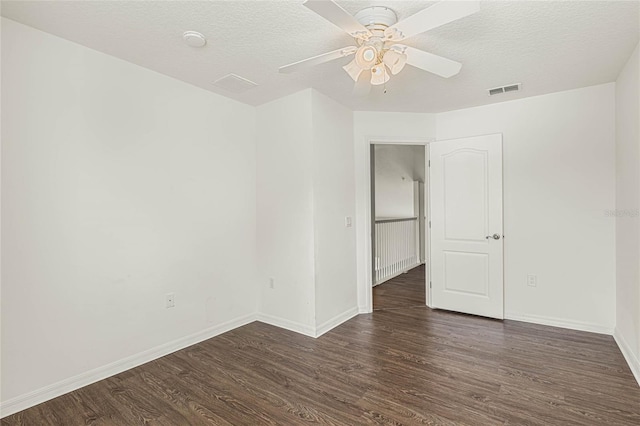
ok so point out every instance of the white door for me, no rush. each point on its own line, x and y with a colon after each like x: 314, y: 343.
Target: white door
x: 466, y: 225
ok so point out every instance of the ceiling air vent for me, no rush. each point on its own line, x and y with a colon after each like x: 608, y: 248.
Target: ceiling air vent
x: 234, y: 83
x: 504, y: 89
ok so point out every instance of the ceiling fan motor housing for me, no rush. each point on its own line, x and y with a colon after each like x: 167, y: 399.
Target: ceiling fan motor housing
x: 376, y: 17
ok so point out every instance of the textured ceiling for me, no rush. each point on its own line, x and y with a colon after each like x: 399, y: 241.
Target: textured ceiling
x: 547, y: 46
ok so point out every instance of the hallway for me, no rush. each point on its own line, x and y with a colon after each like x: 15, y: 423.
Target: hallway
x: 404, y: 291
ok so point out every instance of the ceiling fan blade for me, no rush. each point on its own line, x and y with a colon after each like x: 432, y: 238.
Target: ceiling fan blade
x: 320, y: 59
x: 439, y: 14
x: 363, y: 84
x: 429, y: 62
x: 337, y: 16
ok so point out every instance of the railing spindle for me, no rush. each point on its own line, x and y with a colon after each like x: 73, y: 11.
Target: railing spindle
x: 397, y: 244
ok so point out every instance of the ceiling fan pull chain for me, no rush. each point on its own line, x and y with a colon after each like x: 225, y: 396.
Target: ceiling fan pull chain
x: 385, y: 80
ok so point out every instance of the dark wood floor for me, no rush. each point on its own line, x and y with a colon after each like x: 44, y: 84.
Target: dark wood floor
x: 404, y: 291
x: 405, y: 366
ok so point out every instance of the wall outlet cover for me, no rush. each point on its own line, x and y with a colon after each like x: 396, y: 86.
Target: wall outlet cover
x: 170, y: 300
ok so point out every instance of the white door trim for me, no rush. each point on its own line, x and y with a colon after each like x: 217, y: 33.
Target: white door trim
x: 367, y: 282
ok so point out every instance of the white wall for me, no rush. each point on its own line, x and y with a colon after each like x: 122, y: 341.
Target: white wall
x: 119, y: 185
x: 396, y: 169
x: 305, y: 191
x: 559, y: 180
x: 334, y: 199
x: 627, y: 205
x: 285, y: 212
x: 378, y: 127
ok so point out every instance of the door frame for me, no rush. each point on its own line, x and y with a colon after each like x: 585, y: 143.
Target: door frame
x: 368, y: 219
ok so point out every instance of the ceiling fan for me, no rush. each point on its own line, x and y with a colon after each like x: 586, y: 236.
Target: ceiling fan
x: 378, y: 34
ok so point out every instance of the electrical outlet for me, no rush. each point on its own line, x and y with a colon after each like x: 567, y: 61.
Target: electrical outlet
x: 171, y: 300
x: 532, y: 280
x: 272, y: 282
x: 348, y: 222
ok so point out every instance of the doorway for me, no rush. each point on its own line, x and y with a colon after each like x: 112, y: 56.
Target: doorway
x: 399, y: 234
x: 462, y: 216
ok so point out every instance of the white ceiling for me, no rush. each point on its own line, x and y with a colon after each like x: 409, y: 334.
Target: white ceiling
x: 546, y: 46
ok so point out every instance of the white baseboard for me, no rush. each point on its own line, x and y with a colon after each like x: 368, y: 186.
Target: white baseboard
x: 559, y: 322
x: 54, y: 390
x: 297, y: 327
x: 364, y: 310
x: 629, y: 356
x: 336, y: 321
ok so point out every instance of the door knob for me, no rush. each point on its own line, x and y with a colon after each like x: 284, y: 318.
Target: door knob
x: 494, y: 236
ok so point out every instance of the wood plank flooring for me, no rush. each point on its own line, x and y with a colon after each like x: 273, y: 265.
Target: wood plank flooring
x: 405, y: 290
x: 405, y: 366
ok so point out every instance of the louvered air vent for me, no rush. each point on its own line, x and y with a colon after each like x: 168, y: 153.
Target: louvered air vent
x: 504, y: 89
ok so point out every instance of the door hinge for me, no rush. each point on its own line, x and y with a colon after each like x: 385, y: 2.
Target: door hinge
x: 429, y: 224
x: 430, y: 284
x: 429, y: 163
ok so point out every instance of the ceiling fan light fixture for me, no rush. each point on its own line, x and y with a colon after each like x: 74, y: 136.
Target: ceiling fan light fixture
x: 394, y: 60
x: 379, y: 75
x: 376, y: 30
x: 366, y: 57
x: 353, y: 69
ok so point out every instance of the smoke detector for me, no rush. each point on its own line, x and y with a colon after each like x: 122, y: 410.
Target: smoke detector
x: 194, y: 39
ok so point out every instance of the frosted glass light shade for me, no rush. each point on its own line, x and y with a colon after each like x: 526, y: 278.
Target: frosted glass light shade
x: 379, y: 75
x: 366, y: 57
x: 394, y: 60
